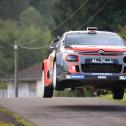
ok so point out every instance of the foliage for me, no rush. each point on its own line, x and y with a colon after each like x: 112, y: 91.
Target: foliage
x: 110, y: 18
x: 10, y: 9
x: 80, y: 92
x: 2, y: 123
x: 22, y: 21
x: 109, y: 97
x: 31, y: 16
x: 3, y: 85
x: 13, y: 120
x: 38, y: 38
x: 123, y: 32
x: 8, y: 34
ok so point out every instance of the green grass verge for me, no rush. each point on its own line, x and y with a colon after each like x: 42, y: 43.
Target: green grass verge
x: 75, y: 93
x: 109, y: 97
x: 13, y: 118
x: 2, y: 123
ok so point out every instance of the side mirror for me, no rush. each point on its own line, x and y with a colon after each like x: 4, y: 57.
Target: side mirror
x: 53, y: 43
x: 52, y: 47
x: 56, y: 39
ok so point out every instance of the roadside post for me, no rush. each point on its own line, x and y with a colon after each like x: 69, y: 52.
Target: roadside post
x: 16, y: 68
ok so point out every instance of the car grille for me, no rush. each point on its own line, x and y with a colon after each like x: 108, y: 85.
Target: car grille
x: 101, y: 68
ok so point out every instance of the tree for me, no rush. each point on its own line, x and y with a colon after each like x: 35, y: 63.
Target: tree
x: 109, y: 18
x: 31, y: 16
x: 30, y: 36
x: 24, y: 22
x: 8, y: 34
x: 10, y: 9
x: 45, y: 9
x: 33, y: 37
x: 123, y: 32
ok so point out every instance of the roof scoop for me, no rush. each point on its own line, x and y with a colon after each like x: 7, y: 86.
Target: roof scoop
x: 92, y: 29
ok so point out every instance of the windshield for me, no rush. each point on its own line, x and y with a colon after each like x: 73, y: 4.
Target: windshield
x: 93, y: 39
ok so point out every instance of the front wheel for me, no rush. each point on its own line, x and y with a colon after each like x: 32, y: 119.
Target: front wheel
x: 56, y: 85
x: 118, y: 93
x: 54, y: 75
x: 47, y: 91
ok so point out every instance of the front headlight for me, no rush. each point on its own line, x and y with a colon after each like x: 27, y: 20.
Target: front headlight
x: 72, y: 58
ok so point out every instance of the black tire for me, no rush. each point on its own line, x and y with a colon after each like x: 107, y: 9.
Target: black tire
x: 118, y: 93
x: 48, y: 92
x: 57, y: 86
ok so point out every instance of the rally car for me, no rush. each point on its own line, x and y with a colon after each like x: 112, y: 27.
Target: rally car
x: 85, y: 58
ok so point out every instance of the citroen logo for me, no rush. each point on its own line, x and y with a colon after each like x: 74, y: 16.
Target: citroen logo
x: 101, y: 51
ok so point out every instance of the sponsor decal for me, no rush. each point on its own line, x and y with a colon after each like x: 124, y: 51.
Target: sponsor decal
x: 101, y: 61
x: 122, y: 77
x: 77, y: 76
x: 101, y: 77
x: 103, y: 74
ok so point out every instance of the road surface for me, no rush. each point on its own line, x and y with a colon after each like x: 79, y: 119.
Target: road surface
x: 68, y: 111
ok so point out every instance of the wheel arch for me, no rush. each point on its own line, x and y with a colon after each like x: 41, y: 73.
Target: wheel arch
x: 45, y: 67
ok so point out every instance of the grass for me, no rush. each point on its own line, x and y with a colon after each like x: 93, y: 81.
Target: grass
x: 75, y: 93
x: 109, y: 97
x: 2, y: 123
x: 8, y: 118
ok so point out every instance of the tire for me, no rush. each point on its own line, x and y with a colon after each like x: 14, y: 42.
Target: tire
x: 47, y: 91
x: 54, y: 75
x: 54, y: 80
x: 118, y: 93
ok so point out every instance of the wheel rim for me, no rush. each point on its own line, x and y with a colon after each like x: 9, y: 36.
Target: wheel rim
x: 42, y: 79
x: 54, y: 75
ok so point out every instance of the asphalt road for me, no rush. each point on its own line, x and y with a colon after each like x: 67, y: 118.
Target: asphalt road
x: 68, y: 111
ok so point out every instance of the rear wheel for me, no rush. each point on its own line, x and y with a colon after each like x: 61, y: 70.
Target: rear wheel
x: 47, y: 91
x: 118, y: 93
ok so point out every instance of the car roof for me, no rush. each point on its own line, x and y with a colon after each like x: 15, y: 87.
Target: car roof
x: 86, y: 31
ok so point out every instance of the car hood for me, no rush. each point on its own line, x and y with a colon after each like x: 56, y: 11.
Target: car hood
x: 93, y: 48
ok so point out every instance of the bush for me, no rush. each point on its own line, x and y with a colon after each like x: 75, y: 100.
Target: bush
x: 3, y: 85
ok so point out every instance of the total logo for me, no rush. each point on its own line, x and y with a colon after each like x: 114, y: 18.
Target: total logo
x: 122, y: 77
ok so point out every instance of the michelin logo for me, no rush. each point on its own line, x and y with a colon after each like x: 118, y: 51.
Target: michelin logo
x: 77, y: 76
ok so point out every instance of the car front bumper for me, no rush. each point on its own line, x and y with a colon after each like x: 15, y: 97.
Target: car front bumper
x: 94, y: 76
